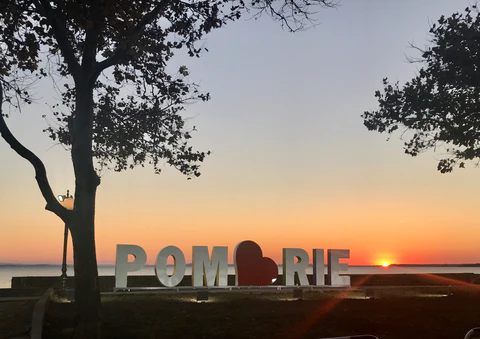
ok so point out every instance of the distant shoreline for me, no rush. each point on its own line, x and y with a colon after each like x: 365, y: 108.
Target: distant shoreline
x: 392, y: 265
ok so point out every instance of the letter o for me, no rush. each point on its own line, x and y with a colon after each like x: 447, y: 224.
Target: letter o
x: 179, y: 266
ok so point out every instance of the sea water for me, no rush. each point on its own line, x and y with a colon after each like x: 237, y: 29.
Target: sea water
x: 8, y: 271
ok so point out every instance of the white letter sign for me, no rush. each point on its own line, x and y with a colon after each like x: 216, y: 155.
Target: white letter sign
x: 123, y: 266
x: 334, y: 267
x: 206, y: 272
x: 179, y: 266
x: 252, y: 268
x: 290, y: 267
x: 318, y: 267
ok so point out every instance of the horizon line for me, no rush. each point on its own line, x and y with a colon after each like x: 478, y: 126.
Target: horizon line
x: 152, y: 265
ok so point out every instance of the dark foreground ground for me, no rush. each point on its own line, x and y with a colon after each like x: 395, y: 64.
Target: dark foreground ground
x: 395, y: 313
x: 15, y: 318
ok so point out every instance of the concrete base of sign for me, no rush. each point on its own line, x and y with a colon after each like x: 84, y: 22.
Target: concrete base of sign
x: 229, y: 288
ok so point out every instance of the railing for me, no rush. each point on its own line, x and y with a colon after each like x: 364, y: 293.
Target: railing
x: 474, y: 333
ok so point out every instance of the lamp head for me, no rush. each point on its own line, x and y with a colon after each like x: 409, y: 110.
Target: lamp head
x: 66, y: 200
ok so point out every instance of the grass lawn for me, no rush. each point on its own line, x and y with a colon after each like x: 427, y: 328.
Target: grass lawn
x: 393, y: 314
x: 15, y: 318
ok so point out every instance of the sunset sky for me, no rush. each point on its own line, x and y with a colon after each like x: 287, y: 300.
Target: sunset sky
x: 292, y: 164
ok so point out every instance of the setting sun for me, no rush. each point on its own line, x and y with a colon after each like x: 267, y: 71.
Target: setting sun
x: 385, y: 264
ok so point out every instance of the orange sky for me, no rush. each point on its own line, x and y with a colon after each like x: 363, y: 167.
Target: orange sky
x: 409, y: 226
x: 292, y: 164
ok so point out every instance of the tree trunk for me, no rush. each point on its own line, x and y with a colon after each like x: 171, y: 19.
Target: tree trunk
x: 87, y: 292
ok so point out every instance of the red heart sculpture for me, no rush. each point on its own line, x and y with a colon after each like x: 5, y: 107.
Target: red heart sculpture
x: 253, y: 269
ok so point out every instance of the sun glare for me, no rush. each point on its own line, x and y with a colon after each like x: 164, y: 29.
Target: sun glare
x: 385, y: 264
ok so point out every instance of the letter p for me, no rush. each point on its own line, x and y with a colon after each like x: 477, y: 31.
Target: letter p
x: 123, y: 266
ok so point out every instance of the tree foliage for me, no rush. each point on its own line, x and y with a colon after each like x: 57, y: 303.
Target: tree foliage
x: 122, y: 49
x: 119, y: 103
x: 440, y: 106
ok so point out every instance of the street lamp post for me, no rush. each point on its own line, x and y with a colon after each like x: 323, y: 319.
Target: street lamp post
x: 64, y: 261
x: 67, y: 202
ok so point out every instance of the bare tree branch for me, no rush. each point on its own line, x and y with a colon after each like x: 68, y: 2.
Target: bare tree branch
x: 292, y: 14
x: 40, y: 172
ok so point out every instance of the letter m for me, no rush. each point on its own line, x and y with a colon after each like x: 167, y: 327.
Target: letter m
x: 214, y: 271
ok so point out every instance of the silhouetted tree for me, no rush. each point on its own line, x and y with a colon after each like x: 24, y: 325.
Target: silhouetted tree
x: 440, y: 106
x: 120, y: 107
